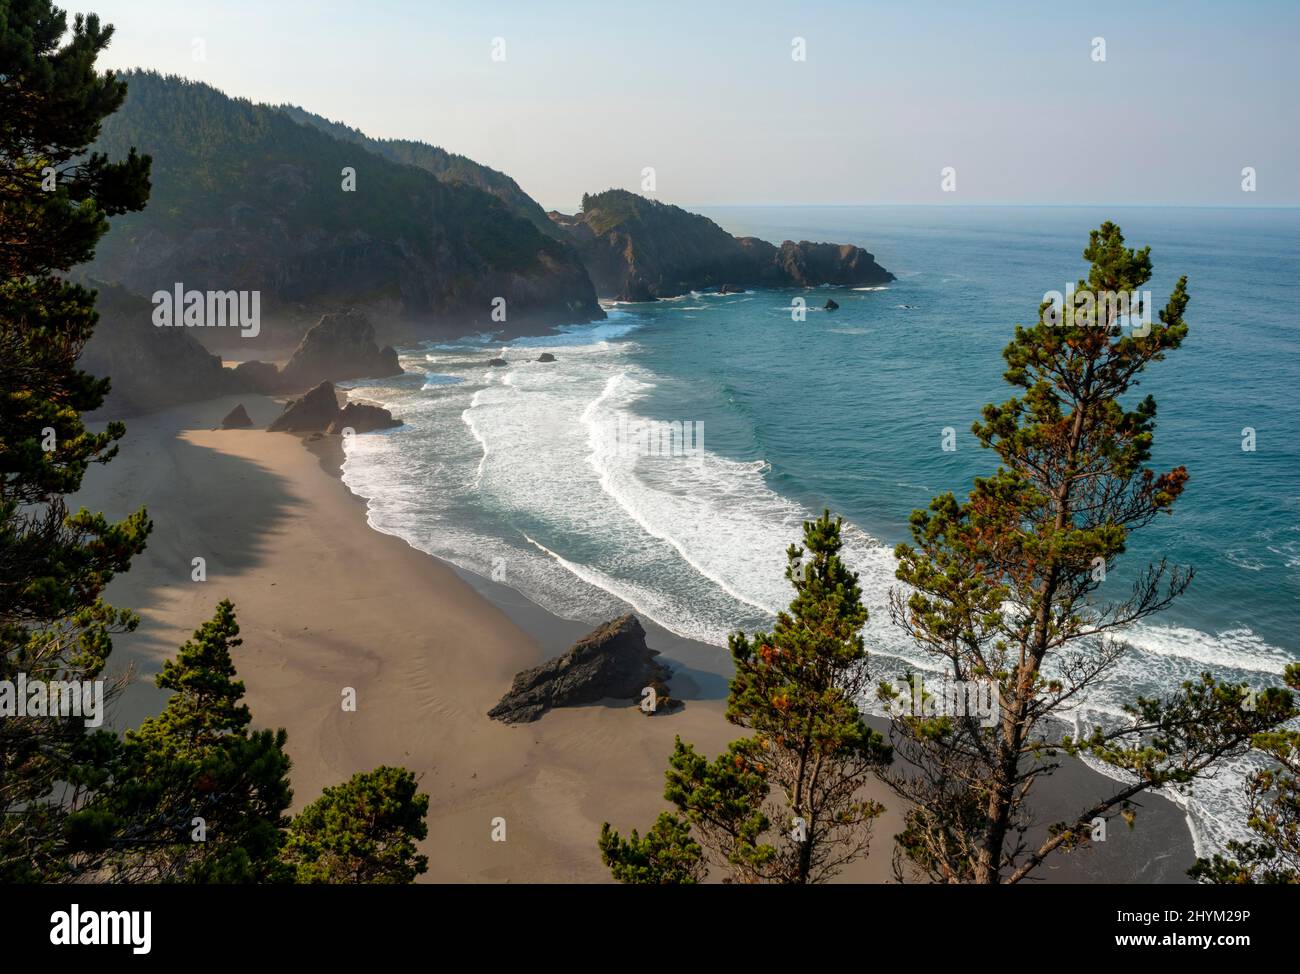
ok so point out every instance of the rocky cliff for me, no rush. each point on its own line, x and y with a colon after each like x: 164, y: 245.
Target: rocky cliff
x: 246, y: 198
x: 637, y: 249
x: 150, y: 368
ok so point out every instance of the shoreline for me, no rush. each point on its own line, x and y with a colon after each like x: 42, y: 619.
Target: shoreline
x: 325, y: 601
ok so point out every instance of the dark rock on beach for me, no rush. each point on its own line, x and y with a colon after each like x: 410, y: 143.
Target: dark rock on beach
x: 237, y: 419
x: 613, y: 661
x: 257, y: 376
x: 362, y: 417
x: 314, y: 412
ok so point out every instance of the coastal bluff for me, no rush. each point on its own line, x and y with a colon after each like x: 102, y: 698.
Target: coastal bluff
x: 636, y: 249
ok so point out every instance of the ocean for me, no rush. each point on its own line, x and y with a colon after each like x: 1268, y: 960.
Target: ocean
x: 518, y: 473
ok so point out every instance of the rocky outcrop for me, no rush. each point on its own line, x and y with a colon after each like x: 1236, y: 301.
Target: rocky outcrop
x: 313, y: 413
x: 613, y: 661
x: 546, y: 357
x: 362, y: 417
x: 257, y: 376
x: 150, y: 367
x: 341, y: 346
x: 831, y: 305
x: 637, y: 249
x: 237, y: 419
x: 496, y: 362
x: 807, y: 264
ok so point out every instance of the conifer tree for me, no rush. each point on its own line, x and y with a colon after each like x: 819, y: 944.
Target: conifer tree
x: 786, y: 804
x: 362, y: 831
x: 55, y: 199
x: 667, y: 856
x: 1008, y: 588
x: 195, y: 796
x: 1273, y: 815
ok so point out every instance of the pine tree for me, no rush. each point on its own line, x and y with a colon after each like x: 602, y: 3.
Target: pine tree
x: 1004, y: 590
x: 668, y: 855
x: 1273, y: 803
x: 195, y: 796
x: 54, y: 202
x: 205, y: 706
x: 785, y: 804
x: 362, y: 831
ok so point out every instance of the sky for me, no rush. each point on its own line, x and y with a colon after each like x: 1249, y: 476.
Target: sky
x: 1011, y: 96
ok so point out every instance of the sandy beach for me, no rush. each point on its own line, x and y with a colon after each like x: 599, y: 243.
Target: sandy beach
x: 325, y: 603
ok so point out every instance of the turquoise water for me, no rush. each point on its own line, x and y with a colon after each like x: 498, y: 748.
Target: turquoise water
x: 517, y: 473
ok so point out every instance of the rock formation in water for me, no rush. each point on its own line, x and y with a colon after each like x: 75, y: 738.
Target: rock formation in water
x: 637, y: 249
x: 613, y: 661
x: 361, y: 417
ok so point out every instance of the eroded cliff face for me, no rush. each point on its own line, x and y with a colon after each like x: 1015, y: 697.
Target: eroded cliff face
x: 637, y: 249
x: 246, y: 198
x: 151, y: 368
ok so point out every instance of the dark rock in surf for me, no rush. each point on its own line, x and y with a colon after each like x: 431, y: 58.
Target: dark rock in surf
x: 361, y: 417
x: 546, y: 357
x: 831, y: 305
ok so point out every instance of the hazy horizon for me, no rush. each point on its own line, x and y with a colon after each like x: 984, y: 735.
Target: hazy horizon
x: 712, y: 99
